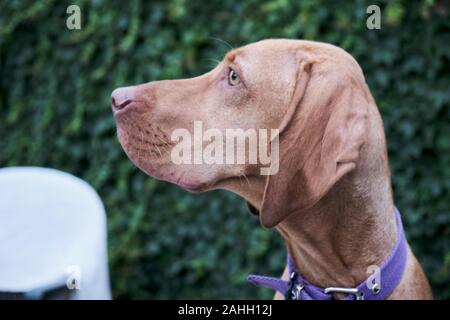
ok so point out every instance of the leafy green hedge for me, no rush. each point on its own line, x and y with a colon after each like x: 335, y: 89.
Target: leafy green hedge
x: 55, y: 90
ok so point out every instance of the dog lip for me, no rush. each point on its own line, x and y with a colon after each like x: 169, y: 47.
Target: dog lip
x: 192, y: 187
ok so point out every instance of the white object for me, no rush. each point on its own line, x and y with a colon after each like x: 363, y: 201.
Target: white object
x: 52, y: 233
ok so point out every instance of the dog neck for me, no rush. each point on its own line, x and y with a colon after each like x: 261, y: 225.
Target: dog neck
x: 335, y: 241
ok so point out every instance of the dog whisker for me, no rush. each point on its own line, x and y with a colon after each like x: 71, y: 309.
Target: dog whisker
x: 222, y: 41
x: 246, y: 179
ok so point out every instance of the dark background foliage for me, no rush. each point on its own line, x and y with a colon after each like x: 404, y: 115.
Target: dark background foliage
x: 55, y: 86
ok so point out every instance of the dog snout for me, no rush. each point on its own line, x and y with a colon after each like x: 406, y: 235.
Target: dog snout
x: 121, y: 97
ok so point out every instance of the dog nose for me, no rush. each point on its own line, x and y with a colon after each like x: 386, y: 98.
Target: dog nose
x: 121, y: 97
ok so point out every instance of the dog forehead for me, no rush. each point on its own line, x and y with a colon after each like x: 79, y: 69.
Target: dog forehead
x: 265, y: 49
x: 265, y: 60
x: 269, y: 71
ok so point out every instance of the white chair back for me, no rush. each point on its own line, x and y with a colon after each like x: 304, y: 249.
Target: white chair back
x: 52, y: 236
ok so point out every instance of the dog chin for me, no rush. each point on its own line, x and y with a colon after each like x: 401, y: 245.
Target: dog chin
x: 186, y: 184
x: 193, y: 187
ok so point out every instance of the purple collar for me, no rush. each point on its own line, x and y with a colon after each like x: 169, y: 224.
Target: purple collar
x: 378, y: 286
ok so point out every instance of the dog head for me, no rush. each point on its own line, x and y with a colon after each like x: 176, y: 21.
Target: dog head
x: 313, y: 94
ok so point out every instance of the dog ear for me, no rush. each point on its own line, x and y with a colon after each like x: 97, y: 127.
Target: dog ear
x: 320, y: 141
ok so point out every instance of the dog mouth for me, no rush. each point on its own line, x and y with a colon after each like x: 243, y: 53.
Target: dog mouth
x: 164, y: 171
x: 144, y: 142
x: 149, y: 148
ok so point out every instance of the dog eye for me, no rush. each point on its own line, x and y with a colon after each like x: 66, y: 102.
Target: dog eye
x: 233, y: 78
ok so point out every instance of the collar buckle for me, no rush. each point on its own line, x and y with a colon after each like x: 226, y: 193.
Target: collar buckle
x: 297, y: 293
x: 353, y: 291
x: 290, y: 295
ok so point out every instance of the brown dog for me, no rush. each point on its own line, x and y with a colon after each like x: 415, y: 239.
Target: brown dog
x: 331, y: 198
